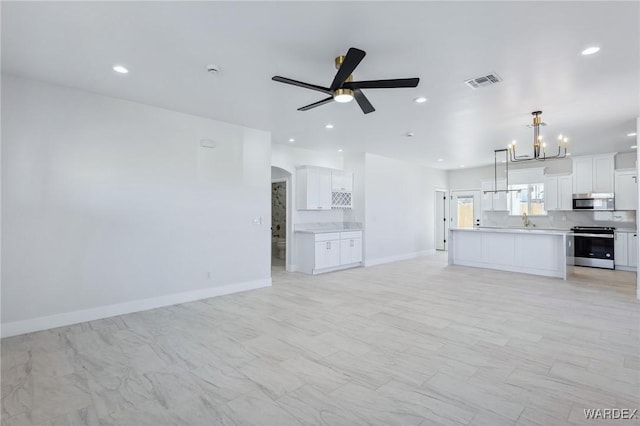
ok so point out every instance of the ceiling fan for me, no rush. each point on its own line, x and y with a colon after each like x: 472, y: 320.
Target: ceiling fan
x: 344, y: 89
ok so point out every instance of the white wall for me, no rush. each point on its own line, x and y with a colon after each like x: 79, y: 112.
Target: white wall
x: 110, y: 202
x: 399, y: 209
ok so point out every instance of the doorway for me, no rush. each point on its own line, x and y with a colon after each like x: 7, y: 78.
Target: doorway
x: 465, y: 209
x: 280, y: 219
x: 442, y: 224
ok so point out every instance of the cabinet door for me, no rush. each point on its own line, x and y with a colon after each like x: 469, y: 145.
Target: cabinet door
x: 565, y: 192
x: 500, y: 198
x: 632, y: 251
x: 337, y: 180
x: 348, y: 181
x: 626, y: 195
x: 487, y: 198
x: 602, y: 177
x: 582, y: 175
x: 327, y: 254
x: 620, y: 249
x: 324, y: 189
x: 345, y: 252
x: 551, y: 193
x: 350, y: 251
x: 356, y: 250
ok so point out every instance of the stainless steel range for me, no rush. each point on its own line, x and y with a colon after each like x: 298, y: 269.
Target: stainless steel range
x: 593, y: 246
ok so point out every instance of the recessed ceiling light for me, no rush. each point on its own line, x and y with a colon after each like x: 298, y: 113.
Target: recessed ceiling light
x: 120, y: 69
x: 634, y: 146
x: 420, y: 100
x: 590, y: 50
x: 440, y: 160
x: 292, y: 140
x: 568, y: 153
x: 329, y: 126
x: 503, y: 161
x: 340, y: 150
x: 631, y: 134
x: 462, y: 166
x: 410, y: 134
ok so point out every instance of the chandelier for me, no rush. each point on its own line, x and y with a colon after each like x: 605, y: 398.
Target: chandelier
x: 539, y: 146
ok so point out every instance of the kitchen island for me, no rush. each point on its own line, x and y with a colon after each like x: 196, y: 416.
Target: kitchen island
x: 530, y: 251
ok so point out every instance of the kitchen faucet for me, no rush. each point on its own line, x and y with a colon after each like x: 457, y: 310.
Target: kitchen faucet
x: 525, y: 219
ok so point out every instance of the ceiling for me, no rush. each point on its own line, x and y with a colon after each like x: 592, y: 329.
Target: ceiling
x: 533, y: 46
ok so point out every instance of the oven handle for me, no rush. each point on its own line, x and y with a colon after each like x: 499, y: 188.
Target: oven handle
x: 594, y: 235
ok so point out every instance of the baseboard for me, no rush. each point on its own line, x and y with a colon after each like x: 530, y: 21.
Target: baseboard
x: 75, y: 317
x: 406, y: 256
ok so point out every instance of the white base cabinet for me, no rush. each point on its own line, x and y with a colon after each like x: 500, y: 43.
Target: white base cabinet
x: 326, y: 252
x: 625, y: 250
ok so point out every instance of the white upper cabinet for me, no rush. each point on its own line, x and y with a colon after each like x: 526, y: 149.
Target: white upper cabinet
x: 313, y: 188
x: 341, y: 181
x: 494, y: 201
x: 593, y: 173
x: 603, y: 169
x: 626, y: 190
x: 558, y: 192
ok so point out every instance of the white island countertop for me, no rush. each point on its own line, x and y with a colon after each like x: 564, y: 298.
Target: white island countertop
x: 551, y: 231
x: 533, y: 251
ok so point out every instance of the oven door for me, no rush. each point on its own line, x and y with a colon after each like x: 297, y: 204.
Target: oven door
x: 594, y: 250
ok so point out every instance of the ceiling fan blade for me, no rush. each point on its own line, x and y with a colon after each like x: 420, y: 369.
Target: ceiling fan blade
x: 316, y: 104
x: 362, y: 100
x: 382, y: 84
x: 301, y: 84
x: 351, y: 61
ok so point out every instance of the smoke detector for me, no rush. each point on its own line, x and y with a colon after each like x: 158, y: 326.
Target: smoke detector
x: 483, y: 80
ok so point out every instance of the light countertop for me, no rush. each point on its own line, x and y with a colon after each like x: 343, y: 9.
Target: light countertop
x: 327, y: 230
x: 543, y: 231
x: 328, y: 227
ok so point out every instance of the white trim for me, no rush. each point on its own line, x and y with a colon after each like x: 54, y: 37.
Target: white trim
x: 406, y: 256
x: 68, y: 318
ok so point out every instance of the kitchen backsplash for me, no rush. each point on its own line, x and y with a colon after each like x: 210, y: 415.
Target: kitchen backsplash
x: 565, y: 219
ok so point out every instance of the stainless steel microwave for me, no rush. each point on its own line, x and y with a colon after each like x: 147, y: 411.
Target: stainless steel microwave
x: 593, y: 202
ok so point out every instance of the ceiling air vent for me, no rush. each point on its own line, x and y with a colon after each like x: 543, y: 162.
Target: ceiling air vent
x: 485, y: 80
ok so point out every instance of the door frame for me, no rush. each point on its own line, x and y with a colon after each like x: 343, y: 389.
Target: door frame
x: 437, y: 220
x: 477, y: 208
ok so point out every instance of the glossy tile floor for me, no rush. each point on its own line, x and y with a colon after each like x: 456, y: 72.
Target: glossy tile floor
x: 409, y: 343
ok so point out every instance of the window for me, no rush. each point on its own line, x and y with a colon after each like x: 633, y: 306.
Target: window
x: 529, y: 199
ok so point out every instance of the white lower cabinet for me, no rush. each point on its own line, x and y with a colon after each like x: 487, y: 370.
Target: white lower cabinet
x: 625, y: 250
x: 350, y: 247
x: 325, y: 252
x: 632, y: 252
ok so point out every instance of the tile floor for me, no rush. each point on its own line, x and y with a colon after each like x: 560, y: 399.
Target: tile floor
x: 408, y: 343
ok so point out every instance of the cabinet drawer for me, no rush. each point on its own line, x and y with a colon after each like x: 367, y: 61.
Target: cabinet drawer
x: 328, y: 236
x: 350, y: 234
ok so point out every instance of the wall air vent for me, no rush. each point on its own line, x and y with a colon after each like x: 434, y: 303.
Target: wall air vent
x: 485, y: 80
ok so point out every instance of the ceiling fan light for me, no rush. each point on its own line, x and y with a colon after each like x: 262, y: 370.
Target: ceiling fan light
x: 343, y: 95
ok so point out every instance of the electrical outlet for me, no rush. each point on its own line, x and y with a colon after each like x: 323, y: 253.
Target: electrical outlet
x: 209, y: 274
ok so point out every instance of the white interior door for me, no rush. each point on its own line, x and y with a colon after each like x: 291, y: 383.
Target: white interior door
x: 465, y: 209
x: 442, y: 224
